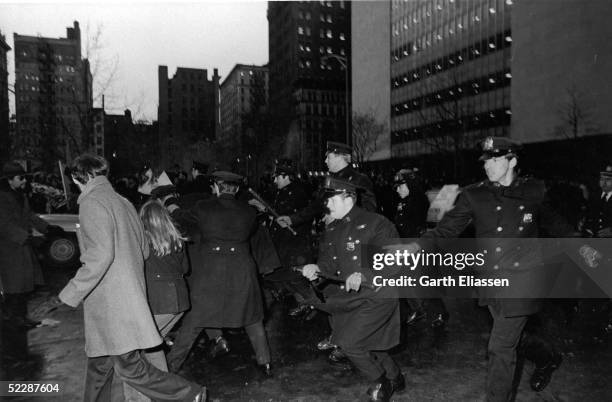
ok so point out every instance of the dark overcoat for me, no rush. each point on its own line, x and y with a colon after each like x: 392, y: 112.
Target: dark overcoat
x: 166, y: 286
x: 19, y: 267
x: 504, y: 218
x: 411, y: 215
x: 363, y: 320
x: 599, y: 215
x: 223, y: 282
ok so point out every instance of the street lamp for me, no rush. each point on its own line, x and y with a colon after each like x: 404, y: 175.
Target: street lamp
x: 343, y: 62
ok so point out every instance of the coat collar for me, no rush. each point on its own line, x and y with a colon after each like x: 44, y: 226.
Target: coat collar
x: 96, y: 182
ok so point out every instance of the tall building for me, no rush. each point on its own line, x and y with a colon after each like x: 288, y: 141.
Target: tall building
x: 461, y: 70
x: 188, y: 115
x: 309, y: 67
x: 53, y: 98
x: 244, y: 96
x: 4, y: 100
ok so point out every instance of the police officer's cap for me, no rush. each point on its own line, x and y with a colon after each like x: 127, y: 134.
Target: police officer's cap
x: 493, y: 147
x: 12, y: 169
x: 284, y: 167
x: 606, y: 173
x: 200, y: 166
x: 334, y: 186
x: 226, y: 177
x: 339, y: 148
x: 405, y: 176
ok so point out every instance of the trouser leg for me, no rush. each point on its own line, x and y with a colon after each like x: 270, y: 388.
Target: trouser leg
x: 536, y: 345
x: 505, y: 337
x: 98, y: 379
x: 391, y: 368
x: 259, y: 340
x: 183, y: 342
x: 365, y: 362
x: 135, y: 370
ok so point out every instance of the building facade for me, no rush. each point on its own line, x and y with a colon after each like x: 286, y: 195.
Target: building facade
x: 450, y: 74
x: 53, y: 98
x: 4, y: 100
x: 309, y: 67
x: 244, y: 95
x: 188, y: 115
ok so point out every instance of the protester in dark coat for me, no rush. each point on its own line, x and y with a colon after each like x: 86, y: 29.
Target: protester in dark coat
x: 19, y: 267
x: 224, y: 284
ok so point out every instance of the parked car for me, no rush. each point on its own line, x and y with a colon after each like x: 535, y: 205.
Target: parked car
x: 60, y: 250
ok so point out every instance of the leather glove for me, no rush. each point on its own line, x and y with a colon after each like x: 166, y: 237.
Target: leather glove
x: 54, y: 230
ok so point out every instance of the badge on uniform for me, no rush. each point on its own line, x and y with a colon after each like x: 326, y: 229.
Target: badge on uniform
x: 350, y: 246
x: 399, y: 207
x: 527, y: 218
x: 361, y: 226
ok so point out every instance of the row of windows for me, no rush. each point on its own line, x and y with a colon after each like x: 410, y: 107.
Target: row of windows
x: 324, y: 110
x: 442, y: 128
x: 453, y: 60
x: 467, y: 88
x: 323, y: 33
x: 305, y: 47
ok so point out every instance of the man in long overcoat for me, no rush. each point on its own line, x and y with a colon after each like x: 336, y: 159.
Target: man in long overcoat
x: 365, y: 324
x: 224, y: 286
x: 111, y: 285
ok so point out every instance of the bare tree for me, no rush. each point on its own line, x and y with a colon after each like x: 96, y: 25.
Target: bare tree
x: 574, y: 115
x: 104, y: 68
x: 367, y: 132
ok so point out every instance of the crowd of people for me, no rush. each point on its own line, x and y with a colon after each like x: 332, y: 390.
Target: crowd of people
x: 158, y: 249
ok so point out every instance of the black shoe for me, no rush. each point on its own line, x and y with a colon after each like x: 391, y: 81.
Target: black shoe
x: 218, y: 348
x: 337, y: 356
x: 415, y: 316
x: 439, y: 322
x: 541, y: 375
x: 300, y: 310
x: 398, y: 383
x: 265, y: 369
x: 381, y: 391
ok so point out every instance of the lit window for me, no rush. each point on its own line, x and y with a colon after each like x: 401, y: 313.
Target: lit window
x: 460, y: 25
x: 307, y: 48
x: 492, y: 80
x: 301, y: 64
x: 329, y: 18
x: 492, y: 45
x: 329, y: 34
x: 476, y: 18
x: 321, y: 50
x: 508, y: 75
x: 342, y: 51
x: 508, y: 39
x: 308, y: 63
x: 438, y: 37
x: 300, y: 31
x: 322, y: 17
x: 341, y: 36
x: 329, y: 50
x: 451, y: 31
x: 307, y: 31
x: 509, y: 2
x: 491, y: 10
x: 439, y: 7
x: 301, y: 47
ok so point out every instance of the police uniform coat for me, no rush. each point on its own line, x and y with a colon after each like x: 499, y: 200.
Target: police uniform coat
x: 111, y: 280
x: 224, y: 285
x: 411, y: 215
x: 166, y: 286
x: 19, y: 267
x: 363, y: 320
x: 292, y: 249
x: 599, y: 215
x: 503, y: 218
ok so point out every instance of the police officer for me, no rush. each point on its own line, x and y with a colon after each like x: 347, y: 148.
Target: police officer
x: 411, y: 212
x: 198, y: 188
x: 364, y: 324
x: 292, y: 249
x: 599, y: 213
x: 504, y: 208
x: 224, y: 284
x: 338, y: 161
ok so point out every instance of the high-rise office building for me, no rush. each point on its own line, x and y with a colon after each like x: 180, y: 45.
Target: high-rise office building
x: 309, y: 67
x: 4, y: 99
x: 188, y: 115
x: 53, y: 98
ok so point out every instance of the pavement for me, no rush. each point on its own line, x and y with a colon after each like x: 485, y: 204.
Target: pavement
x: 439, y: 366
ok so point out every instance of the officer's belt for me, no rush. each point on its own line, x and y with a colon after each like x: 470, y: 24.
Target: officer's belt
x: 226, y: 247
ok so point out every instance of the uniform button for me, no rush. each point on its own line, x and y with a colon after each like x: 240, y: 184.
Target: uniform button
x: 350, y: 238
x: 520, y: 228
x: 159, y: 276
x: 499, y: 228
x: 498, y: 249
x: 495, y: 266
x: 334, y: 258
x: 516, y: 264
x: 357, y: 241
x: 218, y: 248
x: 498, y: 208
x: 330, y: 243
x: 354, y: 257
x: 232, y: 249
x: 521, y: 207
